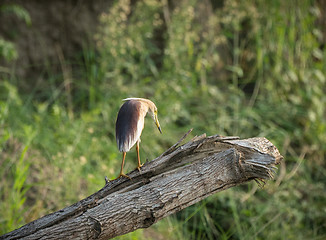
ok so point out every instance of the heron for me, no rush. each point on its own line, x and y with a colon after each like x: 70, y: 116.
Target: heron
x: 130, y: 124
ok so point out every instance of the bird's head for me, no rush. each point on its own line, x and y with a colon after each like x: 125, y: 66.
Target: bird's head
x: 153, y: 112
x: 147, y: 106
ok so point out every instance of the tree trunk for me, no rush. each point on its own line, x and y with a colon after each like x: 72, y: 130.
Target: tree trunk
x: 175, y: 180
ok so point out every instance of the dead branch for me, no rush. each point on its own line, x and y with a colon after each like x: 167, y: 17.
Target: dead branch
x: 177, y: 179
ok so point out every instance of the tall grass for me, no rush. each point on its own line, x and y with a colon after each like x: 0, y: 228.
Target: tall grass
x: 251, y: 68
x: 14, y: 210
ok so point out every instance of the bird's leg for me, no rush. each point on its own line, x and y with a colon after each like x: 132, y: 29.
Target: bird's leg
x: 137, y: 149
x: 123, y: 162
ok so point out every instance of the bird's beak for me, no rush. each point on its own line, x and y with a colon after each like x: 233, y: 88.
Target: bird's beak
x: 158, y: 124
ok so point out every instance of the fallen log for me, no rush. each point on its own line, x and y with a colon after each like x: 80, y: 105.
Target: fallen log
x: 180, y: 177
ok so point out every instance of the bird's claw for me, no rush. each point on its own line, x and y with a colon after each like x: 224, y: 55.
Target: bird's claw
x: 123, y: 175
x: 139, y: 167
x: 120, y: 175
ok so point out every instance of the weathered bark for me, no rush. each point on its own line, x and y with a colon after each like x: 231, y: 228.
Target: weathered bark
x: 175, y: 180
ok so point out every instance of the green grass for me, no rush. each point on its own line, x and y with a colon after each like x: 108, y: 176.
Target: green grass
x: 248, y: 69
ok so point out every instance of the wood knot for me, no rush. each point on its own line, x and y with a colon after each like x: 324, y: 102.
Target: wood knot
x: 149, y: 220
x: 96, y: 227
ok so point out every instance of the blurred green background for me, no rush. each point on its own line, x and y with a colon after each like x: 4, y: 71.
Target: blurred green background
x: 246, y: 68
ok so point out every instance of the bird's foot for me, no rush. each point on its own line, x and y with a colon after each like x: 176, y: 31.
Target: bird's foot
x: 123, y: 175
x: 120, y: 175
x: 139, y: 167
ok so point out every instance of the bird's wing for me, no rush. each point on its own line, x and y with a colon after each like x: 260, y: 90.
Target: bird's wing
x: 129, y: 125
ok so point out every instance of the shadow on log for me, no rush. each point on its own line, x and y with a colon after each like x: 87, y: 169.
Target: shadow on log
x: 180, y: 177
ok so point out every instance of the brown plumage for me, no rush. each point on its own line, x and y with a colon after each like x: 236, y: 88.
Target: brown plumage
x: 130, y: 124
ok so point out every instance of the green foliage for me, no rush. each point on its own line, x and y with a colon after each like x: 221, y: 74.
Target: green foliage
x: 14, y: 165
x: 18, y: 11
x: 252, y: 68
x: 14, y: 210
x: 130, y: 59
x: 7, y: 48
